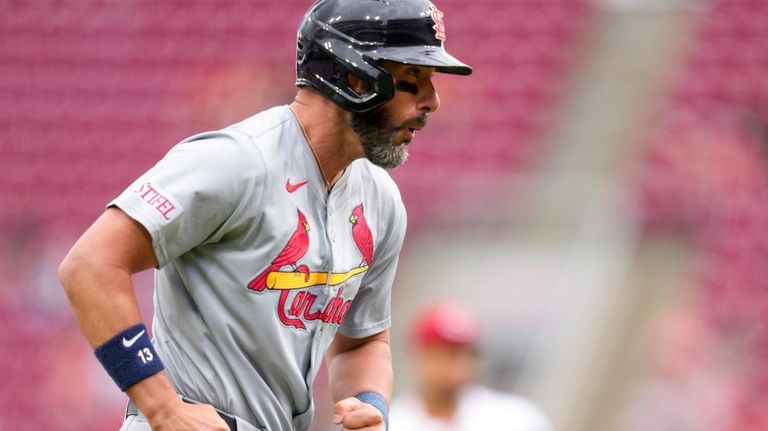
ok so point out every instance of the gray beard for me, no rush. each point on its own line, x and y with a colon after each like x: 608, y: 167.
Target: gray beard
x: 377, y: 136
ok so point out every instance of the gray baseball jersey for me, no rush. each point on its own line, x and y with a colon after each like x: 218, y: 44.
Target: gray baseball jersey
x: 259, y: 266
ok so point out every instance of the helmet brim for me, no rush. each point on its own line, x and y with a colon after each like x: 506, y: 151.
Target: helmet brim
x: 426, y: 55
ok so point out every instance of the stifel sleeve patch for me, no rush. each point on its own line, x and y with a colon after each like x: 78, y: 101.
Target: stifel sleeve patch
x: 162, y: 203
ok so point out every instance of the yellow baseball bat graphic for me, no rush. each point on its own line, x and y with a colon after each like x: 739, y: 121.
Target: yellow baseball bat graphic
x: 279, y: 280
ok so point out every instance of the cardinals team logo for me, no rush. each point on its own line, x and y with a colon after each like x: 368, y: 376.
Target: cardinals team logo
x: 361, y: 234
x: 439, y: 26
x: 285, y: 273
x: 294, y: 249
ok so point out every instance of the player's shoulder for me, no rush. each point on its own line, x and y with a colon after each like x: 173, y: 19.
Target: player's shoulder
x: 404, y: 401
x: 378, y: 181
x: 381, y: 192
x: 243, y: 134
x: 383, y: 202
x: 486, y: 395
x: 405, y: 410
x: 236, y: 145
x: 522, y: 410
x: 263, y: 123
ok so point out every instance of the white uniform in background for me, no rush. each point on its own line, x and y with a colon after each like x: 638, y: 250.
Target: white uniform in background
x: 480, y: 409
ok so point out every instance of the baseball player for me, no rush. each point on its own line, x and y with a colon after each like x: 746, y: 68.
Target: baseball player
x: 275, y: 240
x: 446, y: 363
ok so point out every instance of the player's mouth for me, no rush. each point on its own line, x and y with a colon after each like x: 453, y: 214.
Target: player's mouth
x: 412, y: 127
x: 420, y: 125
x: 407, y: 138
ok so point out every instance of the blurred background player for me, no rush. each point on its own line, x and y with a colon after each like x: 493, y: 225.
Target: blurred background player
x: 446, y: 366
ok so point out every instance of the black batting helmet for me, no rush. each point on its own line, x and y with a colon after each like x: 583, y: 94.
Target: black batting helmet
x: 339, y: 37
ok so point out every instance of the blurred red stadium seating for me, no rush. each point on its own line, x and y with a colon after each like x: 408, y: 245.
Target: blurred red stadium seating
x: 706, y: 172
x: 96, y: 91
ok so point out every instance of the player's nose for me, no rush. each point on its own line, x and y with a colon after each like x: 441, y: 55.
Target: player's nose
x: 429, y: 100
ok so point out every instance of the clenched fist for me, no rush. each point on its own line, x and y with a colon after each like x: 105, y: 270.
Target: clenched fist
x: 353, y: 414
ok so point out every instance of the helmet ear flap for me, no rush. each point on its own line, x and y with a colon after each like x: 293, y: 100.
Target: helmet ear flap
x: 319, y: 65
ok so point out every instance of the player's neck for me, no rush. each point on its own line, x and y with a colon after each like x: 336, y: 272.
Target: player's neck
x: 439, y: 404
x: 327, y: 129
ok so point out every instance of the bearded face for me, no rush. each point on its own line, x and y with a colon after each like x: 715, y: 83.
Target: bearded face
x: 382, y: 138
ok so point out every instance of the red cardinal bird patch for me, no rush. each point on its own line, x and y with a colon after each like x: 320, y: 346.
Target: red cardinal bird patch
x: 297, y: 305
x: 294, y: 250
x: 361, y: 233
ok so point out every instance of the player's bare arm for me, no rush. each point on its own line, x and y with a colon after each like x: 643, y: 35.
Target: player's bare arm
x: 96, y: 276
x: 356, y: 366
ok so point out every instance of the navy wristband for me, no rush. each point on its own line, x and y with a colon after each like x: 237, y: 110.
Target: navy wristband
x: 129, y: 357
x: 377, y: 400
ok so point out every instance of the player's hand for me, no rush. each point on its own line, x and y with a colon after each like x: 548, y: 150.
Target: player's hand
x: 353, y: 414
x: 188, y: 417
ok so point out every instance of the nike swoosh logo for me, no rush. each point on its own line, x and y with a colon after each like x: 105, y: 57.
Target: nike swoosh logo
x: 293, y: 187
x: 129, y: 343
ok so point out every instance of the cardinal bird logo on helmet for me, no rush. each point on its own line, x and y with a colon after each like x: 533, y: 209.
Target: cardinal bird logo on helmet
x: 361, y: 234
